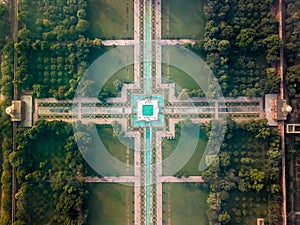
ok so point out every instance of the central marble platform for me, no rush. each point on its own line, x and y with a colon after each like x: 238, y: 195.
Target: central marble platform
x: 147, y: 110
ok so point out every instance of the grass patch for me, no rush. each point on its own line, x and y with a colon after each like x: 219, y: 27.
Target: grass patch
x: 183, y: 19
x: 110, y: 204
x: 110, y: 19
x: 124, y: 75
x: 191, y: 167
x: 180, y: 78
x: 186, y: 202
x: 95, y: 53
x: 114, y: 146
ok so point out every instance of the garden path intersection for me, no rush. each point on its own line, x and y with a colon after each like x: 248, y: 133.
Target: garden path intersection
x: 147, y: 110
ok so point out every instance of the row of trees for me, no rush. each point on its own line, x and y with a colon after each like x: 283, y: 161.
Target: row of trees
x: 6, y: 52
x: 5, y: 150
x: 51, y: 190
x: 4, y: 22
x: 240, y: 43
x: 53, y: 47
x: 6, y: 75
x: 292, y: 30
x: 245, y: 174
x: 6, y: 84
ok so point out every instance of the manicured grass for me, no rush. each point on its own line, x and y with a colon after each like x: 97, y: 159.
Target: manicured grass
x: 125, y: 75
x: 183, y: 19
x: 179, y: 77
x: 110, y: 19
x: 191, y: 167
x: 116, y: 148
x: 186, y: 202
x: 110, y: 204
x: 97, y: 52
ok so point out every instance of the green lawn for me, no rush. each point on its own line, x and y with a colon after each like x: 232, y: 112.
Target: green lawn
x: 116, y: 148
x: 179, y: 77
x: 95, y: 53
x: 191, y: 167
x: 110, y: 204
x: 110, y: 19
x: 184, y: 204
x: 124, y: 75
x: 183, y: 19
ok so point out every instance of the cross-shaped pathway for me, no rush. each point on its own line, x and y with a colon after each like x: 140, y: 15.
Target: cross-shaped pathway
x: 148, y: 92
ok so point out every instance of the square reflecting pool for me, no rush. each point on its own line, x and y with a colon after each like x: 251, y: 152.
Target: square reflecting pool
x: 147, y: 110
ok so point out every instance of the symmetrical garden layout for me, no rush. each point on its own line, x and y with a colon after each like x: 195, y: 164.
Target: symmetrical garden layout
x: 147, y: 110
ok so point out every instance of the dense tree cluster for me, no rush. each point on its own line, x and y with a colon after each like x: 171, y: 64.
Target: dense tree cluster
x: 292, y: 34
x: 245, y: 175
x: 51, y: 175
x: 53, y: 47
x: 6, y: 90
x: 6, y: 52
x: 5, y: 150
x: 4, y: 22
x: 6, y: 77
x: 240, y: 43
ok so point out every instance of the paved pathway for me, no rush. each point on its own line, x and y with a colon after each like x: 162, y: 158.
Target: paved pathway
x: 51, y: 109
x: 162, y: 42
x: 282, y: 94
x: 135, y: 179
x: 120, y: 110
x: 112, y: 179
x: 190, y: 179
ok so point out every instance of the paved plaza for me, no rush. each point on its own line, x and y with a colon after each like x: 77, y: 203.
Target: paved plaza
x: 142, y: 116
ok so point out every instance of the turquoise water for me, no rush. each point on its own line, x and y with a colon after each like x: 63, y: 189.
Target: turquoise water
x: 147, y: 110
x: 148, y: 187
x: 159, y: 122
x: 147, y: 52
